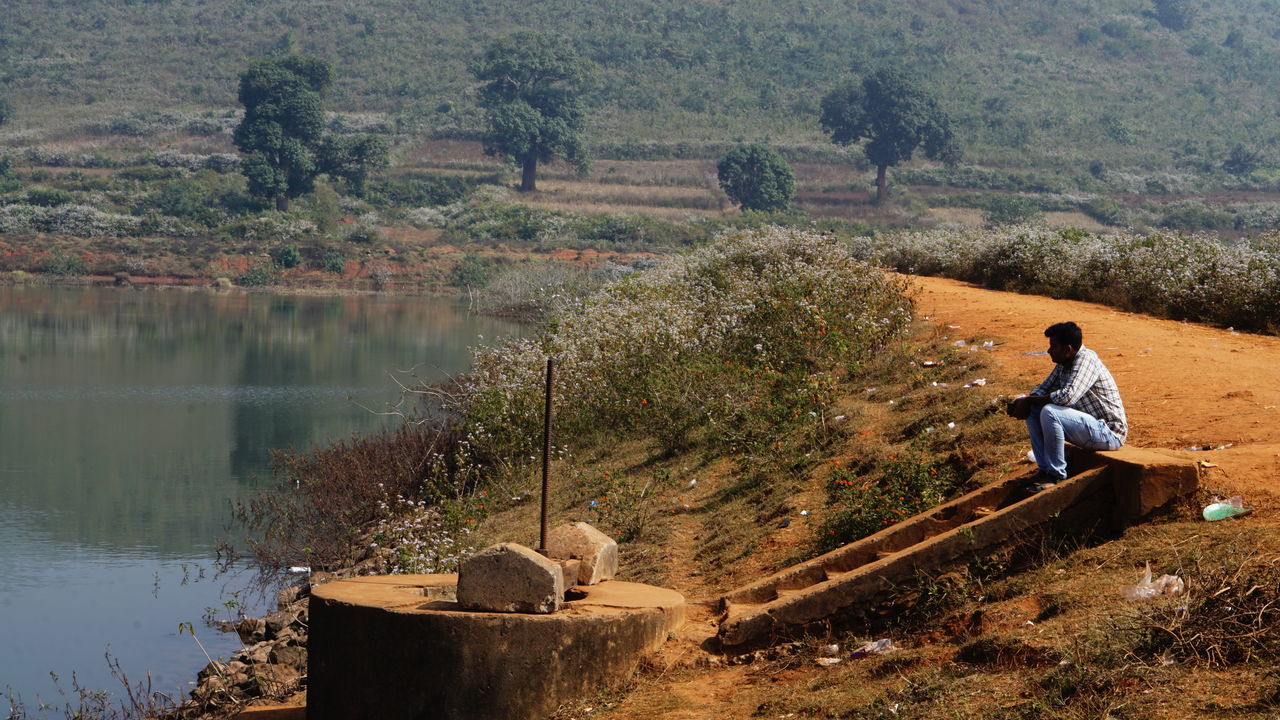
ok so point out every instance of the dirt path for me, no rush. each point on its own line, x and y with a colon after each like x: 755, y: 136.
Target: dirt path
x: 1183, y: 384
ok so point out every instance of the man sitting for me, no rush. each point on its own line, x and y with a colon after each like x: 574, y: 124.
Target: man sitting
x: 1079, y: 402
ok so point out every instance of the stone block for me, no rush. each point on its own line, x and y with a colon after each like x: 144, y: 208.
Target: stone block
x: 1147, y: 480
x: 597, y: 551
x: 510, y: 578
x: 571, y: 568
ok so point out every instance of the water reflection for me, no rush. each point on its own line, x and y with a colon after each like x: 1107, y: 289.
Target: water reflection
x: 127, y: 421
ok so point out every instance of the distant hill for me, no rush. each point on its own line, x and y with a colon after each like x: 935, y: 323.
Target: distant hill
x: 1052, y: 83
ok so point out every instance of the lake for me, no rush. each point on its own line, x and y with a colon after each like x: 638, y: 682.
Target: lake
x: 128, y: 421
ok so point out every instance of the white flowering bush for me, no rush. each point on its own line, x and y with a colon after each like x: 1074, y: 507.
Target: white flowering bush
x: 730, y: 341
x: 272, y: 227
x: 67, y: 219
x: 1194, y: 277
x: 414, y: 536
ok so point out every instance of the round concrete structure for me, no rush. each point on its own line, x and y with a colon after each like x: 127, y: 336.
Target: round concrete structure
x: 396, y: 647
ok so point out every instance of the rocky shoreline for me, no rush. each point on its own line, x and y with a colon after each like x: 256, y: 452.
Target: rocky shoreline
x: 271, y: 668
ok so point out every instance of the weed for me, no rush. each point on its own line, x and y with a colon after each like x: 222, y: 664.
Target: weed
x: 1228, y: 617
x: 286, y: 256
x: 867, y: 502
x: 259, y: 275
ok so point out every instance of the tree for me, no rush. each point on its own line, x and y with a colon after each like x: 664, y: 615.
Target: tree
x: 283, y: 100
x: 1242, y: 161
x: 895, y: 115
x: 6, y: 110
x: 1175, y: 14
x: 757, y: 178
x: 352, y: 159
x: 531, y: 89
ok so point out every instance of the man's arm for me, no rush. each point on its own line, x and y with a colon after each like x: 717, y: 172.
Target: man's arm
x: 1082, y: 376
x: 1021, y: 407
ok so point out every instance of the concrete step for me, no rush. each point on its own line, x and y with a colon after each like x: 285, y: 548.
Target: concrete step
x: 1111, y: 488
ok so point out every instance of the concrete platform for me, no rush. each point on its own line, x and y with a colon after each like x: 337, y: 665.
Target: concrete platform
x: 1108, y: 489
x: 397, y: 647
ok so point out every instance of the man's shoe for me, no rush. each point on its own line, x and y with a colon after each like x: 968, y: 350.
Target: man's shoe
x: 1039, y: 482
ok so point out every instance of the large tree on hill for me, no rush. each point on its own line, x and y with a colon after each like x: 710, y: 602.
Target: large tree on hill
x: 531, y: 88
x: 757, y: 178
x: 895, y: 116
x: 283, y: 100
x: 1175, y: 14
x: 352, y: 159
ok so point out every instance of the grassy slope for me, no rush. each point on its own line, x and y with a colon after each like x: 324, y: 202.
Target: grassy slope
x: 1025, y: 86
x: 1042, y: 632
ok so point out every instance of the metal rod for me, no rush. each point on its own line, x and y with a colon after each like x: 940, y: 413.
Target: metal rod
x: 546, y: 458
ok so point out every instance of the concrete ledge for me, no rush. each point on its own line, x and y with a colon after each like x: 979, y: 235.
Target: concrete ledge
x: 393, y: 647
x: 1108, y: 489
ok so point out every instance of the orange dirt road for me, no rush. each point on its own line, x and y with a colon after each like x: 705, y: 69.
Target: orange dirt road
x: 1183, y: 384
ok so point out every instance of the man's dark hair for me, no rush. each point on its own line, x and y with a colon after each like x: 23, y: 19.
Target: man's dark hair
x: 1067, y: 333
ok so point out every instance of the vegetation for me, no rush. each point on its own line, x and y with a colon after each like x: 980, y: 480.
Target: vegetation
x: 530, y: 90
x: 1180, y: 276
x: 895, y: 116
x: 1176, y: 15
x: 283, y: 100
x: 672, y: 74
x: 281, y: 137
x: 756, y: 178
x: 727, y: 348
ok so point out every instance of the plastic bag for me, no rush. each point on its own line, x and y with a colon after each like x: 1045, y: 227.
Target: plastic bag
x: 883, y: 645
x: 1222, y: 509
x: 1147, y: 588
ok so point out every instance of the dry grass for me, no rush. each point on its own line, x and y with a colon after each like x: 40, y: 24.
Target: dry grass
x: 609, y: 208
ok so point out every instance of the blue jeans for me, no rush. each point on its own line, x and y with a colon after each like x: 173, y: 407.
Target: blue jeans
x: 1051, y: 426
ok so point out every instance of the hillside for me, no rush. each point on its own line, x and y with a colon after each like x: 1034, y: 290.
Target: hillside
x: 1041, y: 636
x: 1054, y: 85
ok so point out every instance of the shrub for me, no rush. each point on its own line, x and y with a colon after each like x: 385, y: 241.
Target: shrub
x: 257, y: 276
x: 1011, y: 210
x: 871, y: 501
x: 726, y: 343
x: 473, y: 271
x: 49, y: 197
x: 1175, y: 14
x: 333, y: 261
x: 366, y: 235
x: 64, y: 265
x: 327, y: 498
x: 1104, y: 210
x: 421, y: 189
x: 1192, y: 277
x: 286, y: 256
x: 756, y: 178
x: 1242, y: 161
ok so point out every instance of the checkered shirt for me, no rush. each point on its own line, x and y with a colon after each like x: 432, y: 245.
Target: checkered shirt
x: 1086, y: 385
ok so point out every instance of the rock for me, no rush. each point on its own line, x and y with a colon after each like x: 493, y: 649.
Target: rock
x: 207, y: 689
x: 255, y: 654
x: 597, y: 551
x: 291, y: 594
x: 268, y: 680
x: 213, y: 669
x: 290, y: 655
x: 280, y: 620
x: 510, y: 578
x: 571, y: 569
x: 251, y: 630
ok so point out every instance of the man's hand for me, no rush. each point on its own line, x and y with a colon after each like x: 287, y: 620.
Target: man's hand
x: 1021, y: 408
